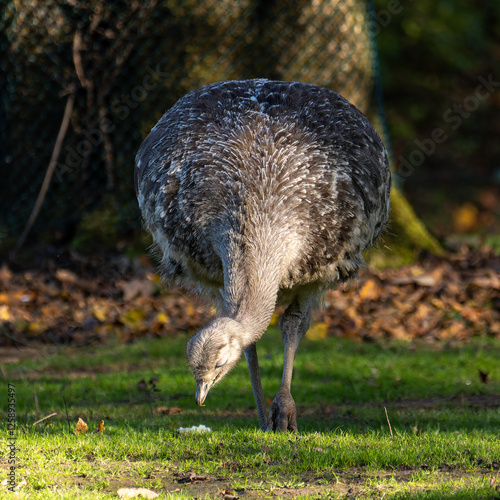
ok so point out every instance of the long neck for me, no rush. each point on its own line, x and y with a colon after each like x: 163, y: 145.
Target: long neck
x: 253, y: 265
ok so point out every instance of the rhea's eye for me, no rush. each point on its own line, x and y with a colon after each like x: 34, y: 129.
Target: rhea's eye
x: 222, y: 362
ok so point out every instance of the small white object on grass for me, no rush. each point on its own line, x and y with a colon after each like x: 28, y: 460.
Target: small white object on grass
x: 195, y: 428
x: 136, y: 492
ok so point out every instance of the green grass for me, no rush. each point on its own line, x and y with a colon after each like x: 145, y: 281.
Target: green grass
x: 444, y: 419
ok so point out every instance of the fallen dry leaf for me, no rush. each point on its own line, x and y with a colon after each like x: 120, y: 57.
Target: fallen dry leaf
x: 5, y: 275
x: 99, y: 312
x: 192, y: 478
x: 465, y: 218
x: 317, y: 331
x: 228, y: 495
x: 422, y: 280
x: 166, y: 410
x: 135, y: 288
x: 133, y: 319
x: 369, y: 290
x: 66, y: 276
x: 274, y: 319
x: 4, y: 313
x: 162, y: 318
x: 81, y: 427
x: 100, y: 427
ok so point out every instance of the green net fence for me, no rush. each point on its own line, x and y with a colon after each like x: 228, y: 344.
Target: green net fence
x: 124, y: 64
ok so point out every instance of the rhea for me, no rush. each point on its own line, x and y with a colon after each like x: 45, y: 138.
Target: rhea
x: 260, y: 193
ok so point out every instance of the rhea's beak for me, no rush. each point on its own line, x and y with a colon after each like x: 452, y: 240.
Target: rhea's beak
x: 202, y: 389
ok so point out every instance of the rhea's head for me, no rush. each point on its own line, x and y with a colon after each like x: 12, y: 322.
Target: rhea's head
x: 212, y: 353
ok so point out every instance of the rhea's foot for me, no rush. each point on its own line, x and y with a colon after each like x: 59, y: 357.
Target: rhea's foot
x: 283, y: 414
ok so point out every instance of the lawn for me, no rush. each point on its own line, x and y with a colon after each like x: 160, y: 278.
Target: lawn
x: 442, y: 402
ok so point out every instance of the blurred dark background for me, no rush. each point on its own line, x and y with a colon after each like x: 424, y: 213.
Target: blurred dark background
x: 113, y: 68
x: 440, y: 70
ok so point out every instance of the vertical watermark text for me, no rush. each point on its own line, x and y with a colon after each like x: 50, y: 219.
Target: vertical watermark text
x: 12, y: 437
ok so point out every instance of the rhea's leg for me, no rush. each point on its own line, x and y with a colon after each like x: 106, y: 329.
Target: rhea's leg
x: 294, y: 325
x: 258, y: 393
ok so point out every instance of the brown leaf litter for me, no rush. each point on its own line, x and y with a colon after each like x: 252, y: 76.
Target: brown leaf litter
x: 452, y: 298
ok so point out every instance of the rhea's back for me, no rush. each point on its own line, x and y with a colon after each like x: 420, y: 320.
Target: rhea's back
x: 241, y: 161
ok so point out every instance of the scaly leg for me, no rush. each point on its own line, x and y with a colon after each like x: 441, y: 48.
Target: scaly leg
x: 258, y: 393
x: 294, y: 325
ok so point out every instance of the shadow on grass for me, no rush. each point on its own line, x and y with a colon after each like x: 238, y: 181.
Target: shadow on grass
x: 444, y: 420
x: 337, y: 383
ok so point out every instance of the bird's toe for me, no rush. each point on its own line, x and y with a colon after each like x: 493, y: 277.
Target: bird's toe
x: 283, y: 414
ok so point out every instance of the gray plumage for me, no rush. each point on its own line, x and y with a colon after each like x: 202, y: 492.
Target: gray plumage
x: 261, y: 192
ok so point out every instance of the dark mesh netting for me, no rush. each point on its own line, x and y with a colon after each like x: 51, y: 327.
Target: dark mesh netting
x: 122, y: 64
